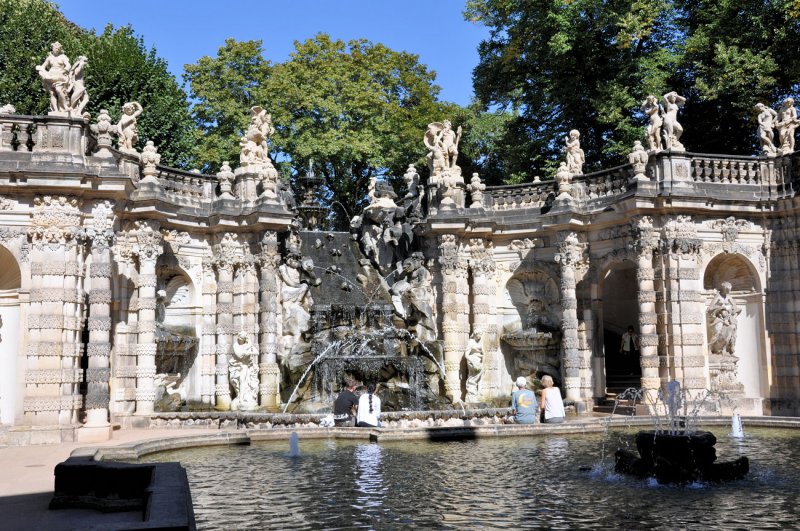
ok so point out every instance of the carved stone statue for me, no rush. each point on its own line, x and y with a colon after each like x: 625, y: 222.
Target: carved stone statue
x: 254, y: 157
x: 653, y: 111
x: 575, y: 156
x: 442, y: 144
x: 638, y: 158
x: 413, y: 299
x: 474, y: 359
x: 243, y: 373
x: 412, y: 202
x: 103, y: 130
x: 8, y: 109
x: 225, y: 178
x: 64, y: 82
x: 126, y: 127
x: 672, y: 128
x: 786, y: 125
x: 296, y: 277
x: 563, y: 180
x: 722, y: 315
x: 766, y: 123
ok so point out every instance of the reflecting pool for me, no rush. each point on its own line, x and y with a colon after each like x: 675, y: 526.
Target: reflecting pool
x: 487, y: 483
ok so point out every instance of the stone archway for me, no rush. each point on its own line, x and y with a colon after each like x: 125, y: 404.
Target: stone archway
x: 745, y: 374
x: 619, y: 309
x: 10, y: 388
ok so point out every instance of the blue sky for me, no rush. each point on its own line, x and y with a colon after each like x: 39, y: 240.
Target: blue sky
x: 183, y: 31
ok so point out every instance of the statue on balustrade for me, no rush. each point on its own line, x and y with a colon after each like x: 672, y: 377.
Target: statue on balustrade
x: 575, y: 155
x: 786, y: 125
x: 766, y: 123
x: 652, y: 109
x: 442, y: 143
x: 126, y: 128
x: 672, y: 128
x: 243, y: 373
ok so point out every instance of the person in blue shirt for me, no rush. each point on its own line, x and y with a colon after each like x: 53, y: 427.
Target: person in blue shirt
x: 523, y: 403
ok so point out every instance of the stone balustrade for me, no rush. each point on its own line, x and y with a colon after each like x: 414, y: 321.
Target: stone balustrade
x: 183, y: 187
x: 725, y: 169
x: 518, y: 196
x: 605, y: 183
x: 39, y: 133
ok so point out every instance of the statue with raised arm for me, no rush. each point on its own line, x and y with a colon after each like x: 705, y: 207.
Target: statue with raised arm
x: 55, y: 74
x: 449, y: 142
x: 575, y: 156
x: 651, y: 108
x: 243, y: 373
x: 722, y: 315
x: 672, y: 128
x: 787, y: 124
x: 437, y: 161
x: 766, y: 123
x: 126, y: 127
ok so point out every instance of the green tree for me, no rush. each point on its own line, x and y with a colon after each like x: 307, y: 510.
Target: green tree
x: 120, y: 69
x: 562, y: 65
x: 224, y: 88
x: 588, y: 64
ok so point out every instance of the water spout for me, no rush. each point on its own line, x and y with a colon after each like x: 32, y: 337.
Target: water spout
x: 294, y: 448
x: 737, y: 430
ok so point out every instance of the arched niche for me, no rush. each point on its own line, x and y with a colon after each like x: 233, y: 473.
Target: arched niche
x: 750, y: 345
x: 10, y: 388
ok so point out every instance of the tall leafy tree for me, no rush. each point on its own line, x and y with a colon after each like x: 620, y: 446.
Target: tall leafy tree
x: 587, y: 64
x: 120, y: 69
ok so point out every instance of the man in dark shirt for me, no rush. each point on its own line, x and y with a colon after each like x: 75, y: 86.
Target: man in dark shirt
x: 345, y: 405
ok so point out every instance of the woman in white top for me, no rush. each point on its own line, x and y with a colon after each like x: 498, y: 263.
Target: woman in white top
x: 369, y: 409
x: 551, y: 403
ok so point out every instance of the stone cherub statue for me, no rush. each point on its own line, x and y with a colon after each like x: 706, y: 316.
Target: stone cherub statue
x: 575, y: 155
x: 766, y: 123
x: 64, y: 82
x: 672, y: 130
x: 126, y: 127
x: 243, y: 373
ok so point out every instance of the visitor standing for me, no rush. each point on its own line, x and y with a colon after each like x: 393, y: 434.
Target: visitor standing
x: 523, y: 403
x: 629, y: 348
x: 552, y: 405
x: 345, y: 405
x: 369, y: 409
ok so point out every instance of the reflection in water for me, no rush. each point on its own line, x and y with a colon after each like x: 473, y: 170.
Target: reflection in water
x: 369, y: 482
x: 486, y: 483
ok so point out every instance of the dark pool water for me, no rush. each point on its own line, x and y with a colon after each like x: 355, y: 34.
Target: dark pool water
x: 528, y: 482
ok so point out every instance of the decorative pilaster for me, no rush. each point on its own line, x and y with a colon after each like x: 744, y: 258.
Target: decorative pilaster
x: 227, y: 254
x: 209, y: 340
x: 455, y: 307
x: 98, y: 374
x: 684, y: 305
x: 53, y: 374
x: 646, y: 240
x: 268, y: 369
x: 148, y: 247
x: 484, y: 309
x: 570, y: 253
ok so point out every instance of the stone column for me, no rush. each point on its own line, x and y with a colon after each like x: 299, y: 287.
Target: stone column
x: 684, y: 304
x: 570, y: 252
x: 455, y: 307
x: 225, y: 328
x: 98, y: 373
x: 148, y: 247
x: 123, y: 360
x: 268, y: 370
x: 208, y: 343
x: 645, y: 243
x: 484, y: 310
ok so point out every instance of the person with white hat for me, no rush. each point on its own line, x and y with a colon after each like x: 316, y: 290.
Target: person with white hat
x: 523, y: 403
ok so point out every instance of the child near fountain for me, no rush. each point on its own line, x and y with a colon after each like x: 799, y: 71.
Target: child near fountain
x: 369, y: 409
x: 552, y: 405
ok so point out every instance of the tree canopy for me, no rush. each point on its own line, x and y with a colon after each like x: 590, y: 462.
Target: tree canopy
x: 356, y: 109
x: 120, y: 69
x: 588, y: 65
